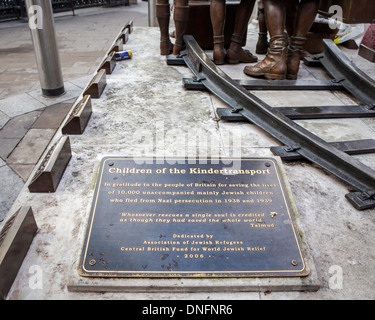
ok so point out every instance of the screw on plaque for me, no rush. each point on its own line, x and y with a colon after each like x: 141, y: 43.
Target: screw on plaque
x: 92, y: 262
x: 294, y: 262
x: 110, y: 164
x: 267, y: 164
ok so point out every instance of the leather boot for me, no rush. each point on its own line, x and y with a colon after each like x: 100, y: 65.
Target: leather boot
x: 236, y: 54
x: 181, y: 18
x: 262, y: 44
x: 218, y: 15
x: 274, y: 66
x: 163, y: 14
x: 219, y: 50
x: 295, y: 54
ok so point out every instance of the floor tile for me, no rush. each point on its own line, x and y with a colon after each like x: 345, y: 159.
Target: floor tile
x: 18, y: 126
x: 7, y: 146
x: 20, y: 104
x: 23, y: 170
x: 31, y: 146
x: 3, y: 119
x: 10, y: 186
x: 52, y: 116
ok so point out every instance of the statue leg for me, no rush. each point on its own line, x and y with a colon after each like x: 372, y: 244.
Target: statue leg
x: 235, y: 53
x: 218, y: 14
x: 163, y: 14
x: 274, y: 66
x: 306, y: 14
x: 291, y: 15
x: 181, y: 18
x: 262, y: 44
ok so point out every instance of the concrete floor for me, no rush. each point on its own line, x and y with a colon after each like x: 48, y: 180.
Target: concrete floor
x: 144, y: 98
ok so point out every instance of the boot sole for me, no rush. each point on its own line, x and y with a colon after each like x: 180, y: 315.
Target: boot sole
x: 291, y: 77
x: 231, y: 61
x: 270, y: 76
x: 166, y: 48
x: 166, y: 52
x: 219, y: 62
x: 177, y: 49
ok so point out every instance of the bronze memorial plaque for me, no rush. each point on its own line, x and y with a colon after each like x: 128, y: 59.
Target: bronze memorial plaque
x: 179, y: 218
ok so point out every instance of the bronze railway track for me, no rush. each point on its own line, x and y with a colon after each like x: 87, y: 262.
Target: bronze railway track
x: 298, y: 142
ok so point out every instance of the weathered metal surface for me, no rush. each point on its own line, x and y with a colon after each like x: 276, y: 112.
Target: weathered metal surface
x: 272, y: 85
x: 180, y: 218
x: 303, y: 113
x: 118, y: 45
x: 97, y: 85
x: 351, y: 78
x: 350, y: 147
x: 51, y: 169
x: 15, y: 239
x: 109, y: 62
x: 311, y: 147
x: 79, y: 117
x: 124, y: 34
x: 367, y: 53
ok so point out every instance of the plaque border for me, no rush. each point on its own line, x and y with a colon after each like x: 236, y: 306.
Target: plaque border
x: 304, y: 271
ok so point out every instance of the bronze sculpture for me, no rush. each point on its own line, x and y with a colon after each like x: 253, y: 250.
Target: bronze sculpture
x: 283, y: 56
x: 235, y: 52
x: 181, y: 15
x: 262, y: 44
x: 163, y: 13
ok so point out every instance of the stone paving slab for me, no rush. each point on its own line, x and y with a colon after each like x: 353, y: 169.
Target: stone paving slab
x: 9, y: 183
x: 3, y: 119
x: 7, y: 147
x: 71, y: 91
x: 20, y: 104
x: 23, y: 170
x: 18, y: 126
x: 52, y: 116
x: 31, y: 146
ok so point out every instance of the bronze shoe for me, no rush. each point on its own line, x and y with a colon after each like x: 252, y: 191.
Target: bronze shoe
x: 177, y: 48
x: 262, y: 44
x: 166, y: 47
x: 181, y: 19
x: 235, y: 53
x: 295, y: 53
x: 219, y: 50
x: 163, y: 17
x: 274, y: 66
x: 240, y: 55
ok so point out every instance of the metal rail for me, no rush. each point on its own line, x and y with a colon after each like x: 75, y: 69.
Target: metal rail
x: 294, y: 137
x: 347, y: 74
